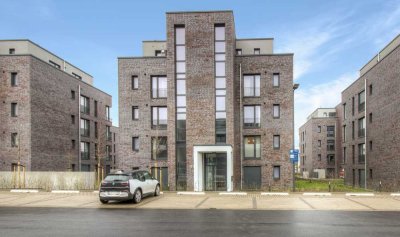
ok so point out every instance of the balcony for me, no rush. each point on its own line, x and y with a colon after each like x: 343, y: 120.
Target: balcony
x: 159, y: 124
x: 85, y: 109
x: 251, y: 91
x: 85, y: 155
x: 361, y: 132
x: 251, y: 123
x: 85, y: 132
x: 361, y: 159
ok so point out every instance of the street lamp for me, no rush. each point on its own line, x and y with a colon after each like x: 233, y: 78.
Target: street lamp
x: 295, y: 86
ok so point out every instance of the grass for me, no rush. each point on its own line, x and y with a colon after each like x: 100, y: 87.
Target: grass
x: 319, y: 185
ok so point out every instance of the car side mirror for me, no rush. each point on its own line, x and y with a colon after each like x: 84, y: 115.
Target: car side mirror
x: 143, y: 178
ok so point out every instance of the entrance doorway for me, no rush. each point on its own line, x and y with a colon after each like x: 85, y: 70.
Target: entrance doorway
x: 215, y: 172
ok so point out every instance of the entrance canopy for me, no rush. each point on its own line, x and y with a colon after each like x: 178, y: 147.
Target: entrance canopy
x: 199, y: 164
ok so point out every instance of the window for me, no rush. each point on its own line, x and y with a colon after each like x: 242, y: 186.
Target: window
x: 238, y: 51
x: 370, y: 117
x: 370, y: 145
x: 276, y: 79
x: 108, y: 115
x: 256, y: 51
x: 319, y: 157
x: 319, y: 143
x: 277, y: 141
x: 96, y: 130
x: 135, y: 143
x: 160, y: 53
x: 95, y: 108
x: 72, y: 95
x: 85, y: 167
x: 85, y: 127
x: 353, y: 154
x: 352, y: 106
x: 77, y: 76
x: 85, y: 150
x: 330, y: 145
x: 220, y: 84
x: 72, y: 119
x: 108, y: 133
x: 319, y: 129
x: 159, y: 148
x: 361, y: 153
x: 135, y: 82
x: 72, y: 144
x: 344, y: 155
x: 159, y: 117
x: 352, y: 130
x: 330, y: 131
x: 14, y: 81
x: 277, y: 111
x: 344, y: 111
x: 277, y: 172
x: 361, y: 127
x: 159, y: 86
x: 14, y: 109
x: 85, y: 105
x: 370, y: 174
x: 14, y: 140
x: 108, y: 153
x: 11, y: 51
x: 251, y: 85
x: 252, y: 116
x: 361, y: 101
x: 55, y: 64
x: 135, y: 113
x: 344, y: 133
x: 330, y: 159
x: 370, y: 89
x: 252, y: 147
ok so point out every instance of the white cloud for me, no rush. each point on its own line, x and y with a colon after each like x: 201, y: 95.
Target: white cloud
x: 325, y: 95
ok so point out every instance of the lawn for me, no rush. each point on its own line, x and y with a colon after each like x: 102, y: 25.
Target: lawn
x: 319, y: 185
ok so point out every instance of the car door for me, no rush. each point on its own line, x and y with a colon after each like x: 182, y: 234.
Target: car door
x: 150, y: 187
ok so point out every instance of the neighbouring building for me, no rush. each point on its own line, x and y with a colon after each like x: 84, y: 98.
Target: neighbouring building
x: 206, y: 111
x: 368, y: 125
x: 52, y: 118
x: 318, y: 144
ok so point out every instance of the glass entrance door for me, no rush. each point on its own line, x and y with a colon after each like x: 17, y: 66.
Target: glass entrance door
x: 215, y: 171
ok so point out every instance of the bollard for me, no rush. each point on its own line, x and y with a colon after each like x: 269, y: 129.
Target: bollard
x: 380, y: 186
x: 329, y: 186
x: 269, y: 187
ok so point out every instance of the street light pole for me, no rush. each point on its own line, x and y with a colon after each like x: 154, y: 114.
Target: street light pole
x: 295, y: 86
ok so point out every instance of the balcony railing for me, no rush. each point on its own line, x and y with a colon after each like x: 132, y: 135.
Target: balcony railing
x: 85, y: 132
x: 109, y: 136
x: 361, y: 107
x: 85, y: 155
x: 85, y: 109
x: 252, y: 123
x: 361, y: 159
x: 251, y: 91
x: 160, y: 93
x: 361, y: 132
x: 159, y: 124
x: 181, y: 134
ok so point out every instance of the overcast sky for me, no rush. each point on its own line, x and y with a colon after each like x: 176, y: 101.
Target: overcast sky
x: 331, y: 40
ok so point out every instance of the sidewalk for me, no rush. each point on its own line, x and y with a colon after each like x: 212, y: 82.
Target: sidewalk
x: 170, y: 200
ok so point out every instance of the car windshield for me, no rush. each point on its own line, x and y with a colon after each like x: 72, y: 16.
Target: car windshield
x: 117, y: 177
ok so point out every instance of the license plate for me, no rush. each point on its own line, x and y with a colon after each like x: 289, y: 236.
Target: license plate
x: 113, y: 193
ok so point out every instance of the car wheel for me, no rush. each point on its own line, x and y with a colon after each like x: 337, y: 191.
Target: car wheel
x: 157, y: 191
x: 137, y: 196
x: 103, y: 201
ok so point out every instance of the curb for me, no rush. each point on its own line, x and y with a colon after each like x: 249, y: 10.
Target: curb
x: 360, y: 194
x: 190, y: 193
x: 64, y: 191
x: 233, y: 193
x: 24, y: 191
x: 395, y: 194
x: 317, y: 194
x: 274, y: 194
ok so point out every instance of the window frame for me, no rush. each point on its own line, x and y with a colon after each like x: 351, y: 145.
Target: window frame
x: 278, y: 76
x: 255, y: 157
x: 273, y: 111
x: 13, y: 79
x: 254, y: 83
x: 14, y: 109
x: 134, y: 82
x: 157, y: 89
x: 135, y: 109
x: 279, y: 141
x: 254, y: 124
x: 135, y: 144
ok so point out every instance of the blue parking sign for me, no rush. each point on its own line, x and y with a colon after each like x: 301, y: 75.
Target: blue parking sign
x: 294, y: 155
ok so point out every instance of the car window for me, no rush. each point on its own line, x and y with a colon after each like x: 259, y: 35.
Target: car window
x: 147, y: 175
x: 117, y: 177
x: 135, y: 175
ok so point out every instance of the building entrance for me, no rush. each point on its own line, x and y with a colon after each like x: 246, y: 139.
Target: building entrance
x: 215, y: 171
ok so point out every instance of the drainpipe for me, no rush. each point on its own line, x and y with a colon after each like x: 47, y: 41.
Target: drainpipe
x: 241, y: 128
x: 295, y: 86
x: 365, y: 135
x: 79, y: 127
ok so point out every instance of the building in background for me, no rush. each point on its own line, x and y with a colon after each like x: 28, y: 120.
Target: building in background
x: 368, y: 125
x: 206, y: 111
x: 318, y: 144
x: 51, y: 116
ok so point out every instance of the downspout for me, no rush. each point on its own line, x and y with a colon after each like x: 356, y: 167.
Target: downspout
x: 79, y: 127
x: 241, y: 128
x: 365, y: 136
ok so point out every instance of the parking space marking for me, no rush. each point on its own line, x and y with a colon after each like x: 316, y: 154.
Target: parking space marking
x: 307, y: 203
x: 202, y: 201
x: 359, y: 203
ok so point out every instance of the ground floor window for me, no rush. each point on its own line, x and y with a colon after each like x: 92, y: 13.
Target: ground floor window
x: 85, y: 167
x: 251, y: 177
x: 277, y: 172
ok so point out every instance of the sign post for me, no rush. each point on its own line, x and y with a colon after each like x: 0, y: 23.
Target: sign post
x: 294, y: 158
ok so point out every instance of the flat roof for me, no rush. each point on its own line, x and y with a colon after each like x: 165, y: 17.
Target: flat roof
x: 212, y: 11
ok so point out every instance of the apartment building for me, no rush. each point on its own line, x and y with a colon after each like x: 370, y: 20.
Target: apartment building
x: 370, y: 123
x: 52, y: 118
x: 318, y: 144
x: 206, y: 111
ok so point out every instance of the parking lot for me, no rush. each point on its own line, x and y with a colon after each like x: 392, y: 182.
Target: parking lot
x: 171, y: 200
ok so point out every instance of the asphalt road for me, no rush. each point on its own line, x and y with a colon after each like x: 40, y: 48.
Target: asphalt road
x: 21, y: 221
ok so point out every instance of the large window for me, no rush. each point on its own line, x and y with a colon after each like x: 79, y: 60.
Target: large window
x: 252, y: 116
x: 159, y: 86
x: 135, y: 143
x: 330, y: 145
x: 361, y: 101
x: 85, y: 105
x: 85, y: 150
x: 85, y: 127
x: 252, y: 147
x: 361, y: 127
x: 251, y: 85
x: 361, y: 153
x: 220, y: 84
x: 277, y: 141
x: 330, y: 131
x: 159, y: 149
x: 159, y: 117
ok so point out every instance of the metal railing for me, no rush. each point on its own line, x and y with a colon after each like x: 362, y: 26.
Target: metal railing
x: 361, y: 132
x: 160, y: 93
x: 85, y: 132
x: 251, y: 91
x: 85, y: 109
x: 85, y: 155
